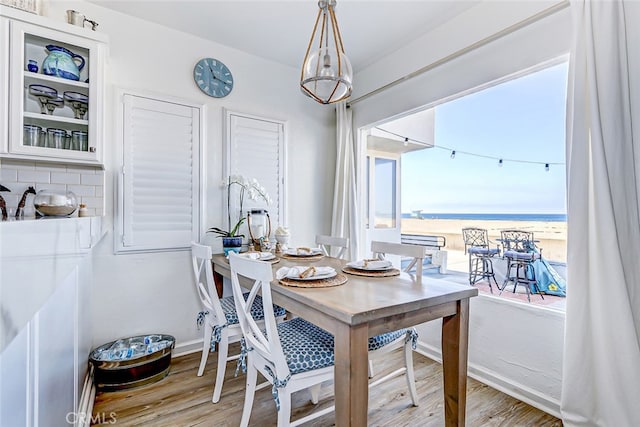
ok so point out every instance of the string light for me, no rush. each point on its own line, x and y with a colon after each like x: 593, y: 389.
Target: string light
x: 500, y: 160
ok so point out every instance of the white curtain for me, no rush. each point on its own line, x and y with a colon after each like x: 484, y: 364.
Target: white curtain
x: 601, y: 369
x: 344, y: 221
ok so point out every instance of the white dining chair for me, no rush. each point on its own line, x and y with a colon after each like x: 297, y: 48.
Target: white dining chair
x: 415, y: 252
x: 381, y: 345
x: 326, y: 243
x: 292, y: 355
x: 218, y: 316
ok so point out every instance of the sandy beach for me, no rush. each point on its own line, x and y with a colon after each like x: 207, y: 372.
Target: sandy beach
x: 551, y: 235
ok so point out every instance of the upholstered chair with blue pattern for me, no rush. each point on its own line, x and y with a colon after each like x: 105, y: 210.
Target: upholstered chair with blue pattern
x: 292, y: 355
x: 218, y: 317
x: 406, y: 338
x: 327, y: 243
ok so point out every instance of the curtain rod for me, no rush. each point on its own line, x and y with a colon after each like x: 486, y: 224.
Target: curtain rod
x: 530, y: 20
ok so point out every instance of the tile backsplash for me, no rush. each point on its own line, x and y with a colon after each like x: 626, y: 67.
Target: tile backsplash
x: 86, y: 182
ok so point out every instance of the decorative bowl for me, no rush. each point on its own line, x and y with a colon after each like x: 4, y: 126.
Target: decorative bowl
x: 49, y: 203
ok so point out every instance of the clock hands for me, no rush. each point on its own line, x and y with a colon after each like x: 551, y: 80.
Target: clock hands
x: 213, y: 74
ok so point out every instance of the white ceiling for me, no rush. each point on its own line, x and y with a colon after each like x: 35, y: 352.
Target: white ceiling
x: 280, y: 30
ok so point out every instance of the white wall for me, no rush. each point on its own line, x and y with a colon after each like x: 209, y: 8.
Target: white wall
x: 513, y: 347
x: 143, y: 293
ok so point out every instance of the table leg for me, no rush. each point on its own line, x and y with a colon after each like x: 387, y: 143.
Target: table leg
x: 218, y: 280
x: 351, y: 375
x: 455, y: 336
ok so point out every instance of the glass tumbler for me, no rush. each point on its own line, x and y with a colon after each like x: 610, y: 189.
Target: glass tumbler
x: 31, y: 135
x: 79, y: 140
x: 56, y: 138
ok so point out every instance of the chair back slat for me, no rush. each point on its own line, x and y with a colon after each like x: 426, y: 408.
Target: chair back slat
x: 475, y: 237
x: 417, y: 253
x: 518, y: 240
x: 205, y: 286
x: 264, y: 340
x: 327, y: 243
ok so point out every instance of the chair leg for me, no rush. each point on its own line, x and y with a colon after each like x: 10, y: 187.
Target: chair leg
x: 249, y: 394
x: 411, y: 380
x: 470, y: 271
x: 315, y: 393
x: 487, y: 272
x: 223, y: 351
x: 284, y: 413
x: 206, y: 347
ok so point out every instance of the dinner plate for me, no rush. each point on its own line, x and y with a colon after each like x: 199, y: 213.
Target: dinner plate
x: 359, y: 266
x: 316, y: 277
x: 294, y: 252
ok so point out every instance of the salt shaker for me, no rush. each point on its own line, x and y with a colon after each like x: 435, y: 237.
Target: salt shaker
x: 83, y: 210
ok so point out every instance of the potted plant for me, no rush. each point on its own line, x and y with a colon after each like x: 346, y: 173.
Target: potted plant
x: 231, y: 239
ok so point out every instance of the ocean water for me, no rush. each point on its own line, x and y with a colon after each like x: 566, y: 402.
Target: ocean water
x: 492, y: 216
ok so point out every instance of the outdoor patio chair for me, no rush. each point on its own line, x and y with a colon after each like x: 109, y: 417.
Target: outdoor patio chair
x: 218, y: 317
x: 326, y: 243
x: 476, y: 244
x: 520, y: 252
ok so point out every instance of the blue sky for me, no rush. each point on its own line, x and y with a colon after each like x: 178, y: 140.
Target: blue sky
x: 523, y: 119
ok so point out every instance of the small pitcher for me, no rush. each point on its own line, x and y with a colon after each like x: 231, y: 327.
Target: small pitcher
x: 61, y: 62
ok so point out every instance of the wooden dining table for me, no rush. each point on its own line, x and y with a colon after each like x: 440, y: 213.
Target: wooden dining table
x: 367, y: 306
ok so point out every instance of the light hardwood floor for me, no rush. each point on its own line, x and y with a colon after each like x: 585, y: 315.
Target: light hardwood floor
x: 183, y: 399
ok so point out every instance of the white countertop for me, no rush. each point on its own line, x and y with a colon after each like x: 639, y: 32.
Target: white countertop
x: 35, y: 256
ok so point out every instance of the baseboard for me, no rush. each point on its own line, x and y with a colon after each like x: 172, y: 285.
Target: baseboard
x: 187, y: 347
x: 500, y: 383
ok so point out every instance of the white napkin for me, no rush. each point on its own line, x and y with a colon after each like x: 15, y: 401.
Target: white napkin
x: 371, y: 264
x: 303, y: 251
x: 294, y: 272
x: 258, y: 255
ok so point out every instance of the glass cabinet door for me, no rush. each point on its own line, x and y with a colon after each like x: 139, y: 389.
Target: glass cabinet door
x: 56, y: 84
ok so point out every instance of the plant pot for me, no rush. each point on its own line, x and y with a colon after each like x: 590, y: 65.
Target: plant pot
x: 231, y: 244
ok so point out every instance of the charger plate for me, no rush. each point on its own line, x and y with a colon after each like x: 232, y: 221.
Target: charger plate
x: 337, y: 280
x: 302, y: 257
x: 371, y: 273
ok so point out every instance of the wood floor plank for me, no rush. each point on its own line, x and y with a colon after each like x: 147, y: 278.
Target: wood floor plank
x: 184, y: 399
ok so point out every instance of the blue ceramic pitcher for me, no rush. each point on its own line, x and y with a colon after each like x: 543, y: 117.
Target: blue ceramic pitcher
x: 61, y: 62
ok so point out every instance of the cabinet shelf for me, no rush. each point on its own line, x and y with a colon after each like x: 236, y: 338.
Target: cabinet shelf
x: 30, y: 78
x: 46, y: 120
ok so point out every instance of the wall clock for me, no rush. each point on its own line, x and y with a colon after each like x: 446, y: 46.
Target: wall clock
x: 213, y: 77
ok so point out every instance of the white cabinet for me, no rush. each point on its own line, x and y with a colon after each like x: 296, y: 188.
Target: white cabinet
x: 51, y: 116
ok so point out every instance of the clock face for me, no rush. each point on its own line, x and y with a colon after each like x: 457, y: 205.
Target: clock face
x: 213, y: 77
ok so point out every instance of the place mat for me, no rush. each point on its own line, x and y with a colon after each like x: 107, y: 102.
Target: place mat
x: 337, y: 280
x: 371, y: 273
x: 302, y: 257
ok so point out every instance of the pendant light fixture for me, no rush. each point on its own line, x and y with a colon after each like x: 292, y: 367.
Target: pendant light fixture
x: 326, y: 71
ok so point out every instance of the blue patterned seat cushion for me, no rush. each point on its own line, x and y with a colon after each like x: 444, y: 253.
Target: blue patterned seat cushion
x: 306, y: 347
x: 522, y: 256
x: 381, y: 340
x: 482, y: 251
x: 229, y: 308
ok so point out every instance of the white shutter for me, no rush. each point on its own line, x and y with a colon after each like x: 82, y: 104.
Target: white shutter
x: 256, y: 150
x: 160, y: 180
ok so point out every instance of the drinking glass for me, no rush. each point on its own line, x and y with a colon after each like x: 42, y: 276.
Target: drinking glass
x: 56, y: 137
x: 31, y: 135
x: 79, y: 140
